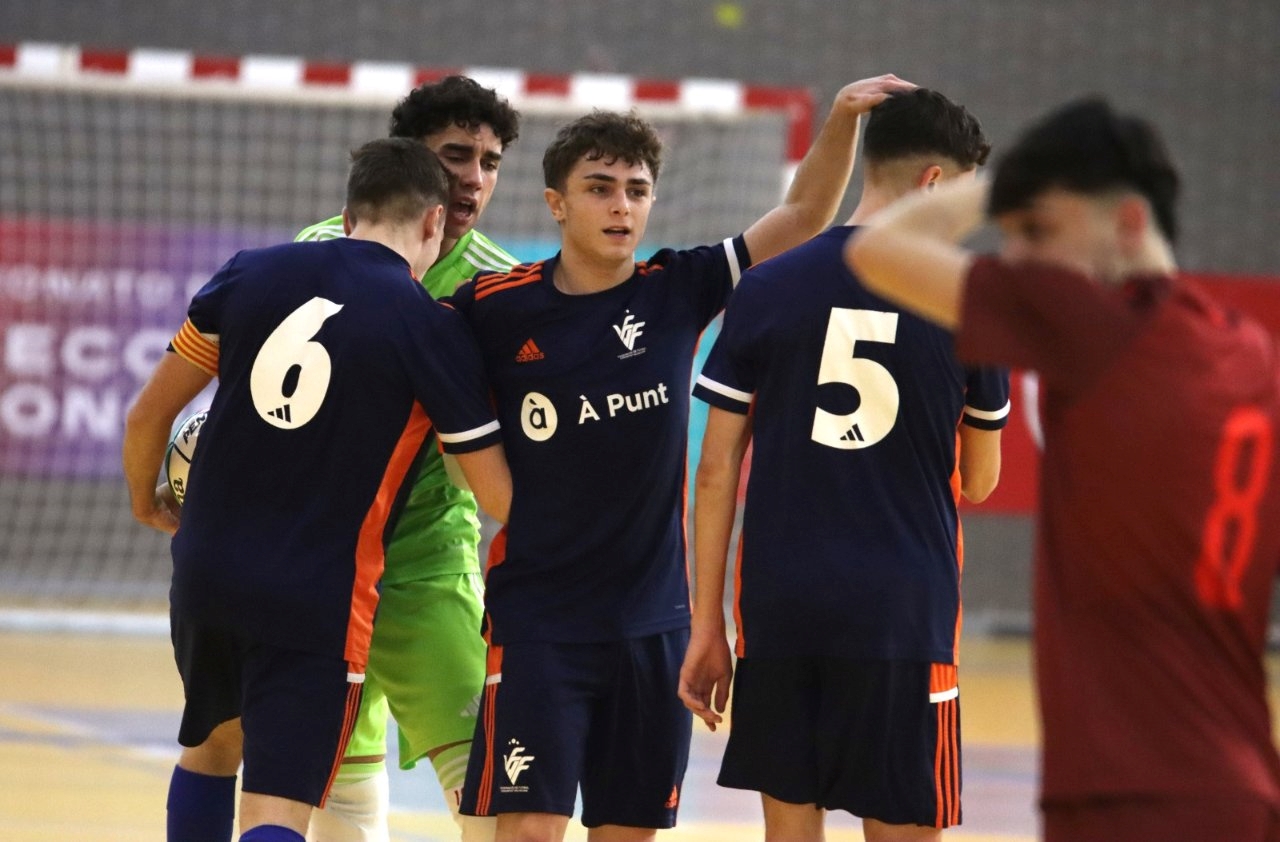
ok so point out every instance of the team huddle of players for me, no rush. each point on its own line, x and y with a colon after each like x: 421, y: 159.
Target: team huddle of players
x: 395, y: 366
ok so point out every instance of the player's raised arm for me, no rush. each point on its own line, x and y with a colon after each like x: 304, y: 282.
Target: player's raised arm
x: 823, y: 175
x: 174, y: 384
x: 907, y: 252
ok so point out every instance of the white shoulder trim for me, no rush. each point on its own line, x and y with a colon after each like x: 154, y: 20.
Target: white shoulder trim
x: 735, y: 270
x: 721, y: 389
x: 989, y: 415
x: 469, y: 435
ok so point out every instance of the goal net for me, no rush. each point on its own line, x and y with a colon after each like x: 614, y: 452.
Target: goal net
x: 127, y: 179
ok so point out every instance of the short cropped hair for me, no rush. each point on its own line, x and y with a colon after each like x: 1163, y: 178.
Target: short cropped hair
x: 454, y: 101
x: 601, y: 135
x: 394, y: 179
x: 924, y: 122
x: 1086, y: 147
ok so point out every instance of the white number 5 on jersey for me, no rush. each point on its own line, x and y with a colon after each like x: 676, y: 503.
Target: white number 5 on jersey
x: 291, y: 373
x: 878, y: 392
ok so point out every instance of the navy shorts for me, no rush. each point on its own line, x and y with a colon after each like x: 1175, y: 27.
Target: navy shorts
x: 603, y: 716
x: 879, y: 739
x: 296, y: 708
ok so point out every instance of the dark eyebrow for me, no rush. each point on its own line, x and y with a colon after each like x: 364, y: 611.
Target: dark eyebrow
x: 467, y: 149
x: 636, y: 182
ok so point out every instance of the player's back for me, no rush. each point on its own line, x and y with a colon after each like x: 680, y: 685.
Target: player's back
x: 852, y: 499
x: 311, y: 430
x: 1157, y: 557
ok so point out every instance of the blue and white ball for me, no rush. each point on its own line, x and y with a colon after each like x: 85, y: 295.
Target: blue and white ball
x: 181, y: 450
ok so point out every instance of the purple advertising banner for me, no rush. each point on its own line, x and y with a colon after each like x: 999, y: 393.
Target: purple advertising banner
x: 86, y: 310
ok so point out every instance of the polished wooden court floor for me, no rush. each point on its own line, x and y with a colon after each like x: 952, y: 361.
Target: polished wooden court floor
x: 88, y: 721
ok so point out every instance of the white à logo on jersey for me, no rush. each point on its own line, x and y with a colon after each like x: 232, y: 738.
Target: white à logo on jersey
x: 538, y: 416
x: 516, y: 762
x: 629, y: 331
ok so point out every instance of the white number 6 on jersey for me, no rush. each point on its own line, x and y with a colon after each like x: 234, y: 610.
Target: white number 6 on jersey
x: 291, y: 373
x: 878, y: 392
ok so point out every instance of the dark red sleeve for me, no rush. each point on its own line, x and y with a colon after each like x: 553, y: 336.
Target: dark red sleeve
x: 1045, y: 318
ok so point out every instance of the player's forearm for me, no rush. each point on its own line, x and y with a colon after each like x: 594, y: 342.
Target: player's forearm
x: 715, y: 503
x: 820, y: 181
x: 908, y: 251
x: 946, y: 215
x: 979, y: 462
x: 489, y: 478
x: 145, y: 439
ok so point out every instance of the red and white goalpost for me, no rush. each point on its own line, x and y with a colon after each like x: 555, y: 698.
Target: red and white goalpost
x: 128, y: 176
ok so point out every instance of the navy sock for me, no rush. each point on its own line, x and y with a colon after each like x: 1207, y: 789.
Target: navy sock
x: 202, y: 808
x: 271, y: 833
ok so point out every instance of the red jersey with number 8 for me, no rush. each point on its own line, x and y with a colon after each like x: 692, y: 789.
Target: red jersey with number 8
x: 1159, y: 528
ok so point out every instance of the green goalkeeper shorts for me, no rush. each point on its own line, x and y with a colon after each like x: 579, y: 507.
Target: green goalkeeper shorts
x: 426, y: 667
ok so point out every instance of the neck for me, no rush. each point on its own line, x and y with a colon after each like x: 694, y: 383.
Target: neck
x: 580, y: 274
x: 403, y: 240
x: 446, y: 246
x: 874, y: 198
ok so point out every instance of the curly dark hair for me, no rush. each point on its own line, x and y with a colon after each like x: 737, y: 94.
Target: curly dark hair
x: 458, y: 101
x: 606, y: 135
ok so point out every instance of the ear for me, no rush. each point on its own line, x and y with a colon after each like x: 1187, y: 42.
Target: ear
x: 1132, y: 219
x: 555, y: 202
x: 347, y: 223
x: 433, y: 222
x: 929, y: 177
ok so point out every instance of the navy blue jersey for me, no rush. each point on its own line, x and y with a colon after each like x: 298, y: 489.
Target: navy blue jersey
x: 593, y: 393
x: 850, y: 540
x: 334, y: 367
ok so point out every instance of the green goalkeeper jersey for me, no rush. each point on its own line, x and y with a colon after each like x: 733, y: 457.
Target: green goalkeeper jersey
x: 438, y: 530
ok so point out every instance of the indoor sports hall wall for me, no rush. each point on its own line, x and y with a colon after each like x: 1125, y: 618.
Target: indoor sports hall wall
x: 1207, y: 73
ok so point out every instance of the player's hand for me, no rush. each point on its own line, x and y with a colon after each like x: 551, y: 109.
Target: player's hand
x: 163, y: 512
x: 865, y: 94
x: 706, y: 674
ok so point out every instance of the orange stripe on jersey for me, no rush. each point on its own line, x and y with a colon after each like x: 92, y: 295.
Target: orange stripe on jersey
x: 196, y: 348
x: 498, y: 283
x: 497, y: 551
x: 518, y: 271
x: 740, y: 646
x: 955, y: 495
x: 370, y: 555
x: 354, y: 692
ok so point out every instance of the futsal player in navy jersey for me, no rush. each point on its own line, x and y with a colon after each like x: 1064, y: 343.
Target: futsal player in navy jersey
x: 587, y: 604
x: 1159, y: 526
x: 866, y: 430
x: 335, y: 371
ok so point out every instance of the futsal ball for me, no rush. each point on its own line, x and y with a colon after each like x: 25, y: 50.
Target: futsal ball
x: 181, y: 450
